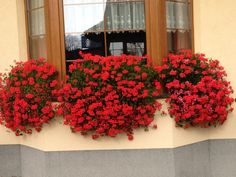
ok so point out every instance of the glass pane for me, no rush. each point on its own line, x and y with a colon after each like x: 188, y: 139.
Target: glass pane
x: 38, y: 47
x: 104, y: 27
x: 125, y: 23
x: 136, y: 48
x: 36, y: 26
x: 75, y: 15
x: 80, y: 34
x: 116, y: 48
x: 179, y: 20
x: 134, y: 43
x: 178, y: 15
x: 125, y: 16
x: 37, y: 22
x: 35, y: 4
x: 179, y: 40
x: 89, y: 43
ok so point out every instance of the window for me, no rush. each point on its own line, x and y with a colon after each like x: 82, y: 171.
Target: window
x: 36, y: 29
x: 59, y: 29
x: 104, y: 27
x: 178, y: 25
x: 116, y: 48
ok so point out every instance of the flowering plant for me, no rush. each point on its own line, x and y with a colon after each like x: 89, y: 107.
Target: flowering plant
x: 199, y: 92
x: 109, y: 95
x: 26, y: 96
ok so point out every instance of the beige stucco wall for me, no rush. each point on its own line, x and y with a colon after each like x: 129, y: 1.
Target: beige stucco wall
x: 215, y: 35
x: 9, y: 49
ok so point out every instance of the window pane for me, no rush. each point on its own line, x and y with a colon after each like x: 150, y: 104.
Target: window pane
x: 125, y: 23
x: 35, y: 4
x: 125, y: 16
x: 179, y: 20
x: 37, y: 22
x: 134, y: 42
x: 75, y: 15
x: 86, y: 42
x: 116, y: 48
x: 179, y: 40
x: 84, y: 27
x: 104, y: 27
x: 136, y: 48
x: 38, y: 47
x: 36, y: 26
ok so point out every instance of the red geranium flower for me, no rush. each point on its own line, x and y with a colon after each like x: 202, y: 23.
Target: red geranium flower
x: 26, y: 96
x: 199, y: 92
x: 111, y: 95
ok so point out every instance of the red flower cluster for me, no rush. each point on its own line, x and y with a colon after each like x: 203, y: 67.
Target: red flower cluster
x: 199, y: 93
x: 109, y: 95
x: 26, y: 96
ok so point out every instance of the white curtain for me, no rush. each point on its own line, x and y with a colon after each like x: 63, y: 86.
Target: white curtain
x: 125, y: 16
x: 36, y: 17
x: 177, y: 16
x: 37, y: 22
x: 35, y: 4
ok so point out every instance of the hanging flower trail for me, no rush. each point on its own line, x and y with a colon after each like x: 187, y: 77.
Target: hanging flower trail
x: 200, y: 95
x: 109, y: 95
x: 26, y: 96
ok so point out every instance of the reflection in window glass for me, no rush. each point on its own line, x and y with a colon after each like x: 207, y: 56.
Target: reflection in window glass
x: 116, y: 48
x: 127, y: 38
x: 104, y: 27
x: 84, y: 27
x: 83, y: 18
x: 125, y: 22
x: 136, y: 48
x: 85, y: 42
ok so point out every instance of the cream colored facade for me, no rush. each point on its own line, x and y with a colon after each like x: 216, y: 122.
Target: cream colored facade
x: 215, y: 35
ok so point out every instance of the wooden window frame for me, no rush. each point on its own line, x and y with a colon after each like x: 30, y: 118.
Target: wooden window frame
x: 54, y: 32
x: 156, y: 34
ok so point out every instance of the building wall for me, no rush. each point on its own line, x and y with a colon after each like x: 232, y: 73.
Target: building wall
x: 9, y: 49
x: 166, y: 152
x: 215, y: 35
